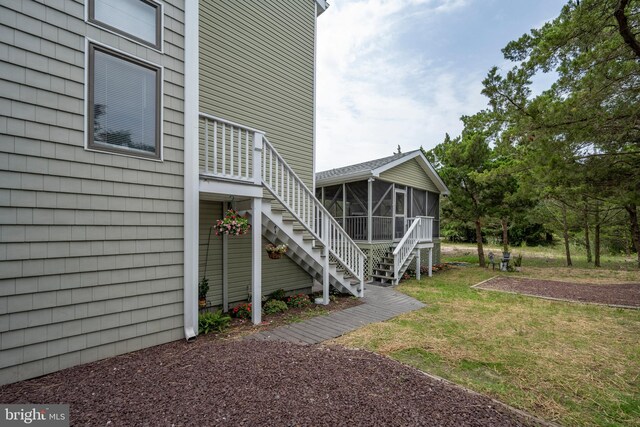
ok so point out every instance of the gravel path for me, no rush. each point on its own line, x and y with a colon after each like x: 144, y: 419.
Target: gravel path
x: 257, y: 383
x: 627, y: 295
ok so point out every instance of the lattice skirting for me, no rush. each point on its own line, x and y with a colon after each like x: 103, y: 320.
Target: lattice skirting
x: 373, y: 255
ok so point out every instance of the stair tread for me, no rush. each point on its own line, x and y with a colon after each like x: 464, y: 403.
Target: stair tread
x: 382, y: 277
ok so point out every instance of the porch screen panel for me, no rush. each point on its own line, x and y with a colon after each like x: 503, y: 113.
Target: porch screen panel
x: 356, y: 209
x: 418, y: 203
x: 433, y: 209
x: 382, y: 198
x: 333, y: 201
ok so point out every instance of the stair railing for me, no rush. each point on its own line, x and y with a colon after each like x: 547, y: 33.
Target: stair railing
x: 283, y: 183
x: 419, y: 231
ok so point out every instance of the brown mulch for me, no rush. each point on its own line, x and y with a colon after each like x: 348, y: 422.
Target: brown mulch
x: 624, y: 295
x: 257, y: 383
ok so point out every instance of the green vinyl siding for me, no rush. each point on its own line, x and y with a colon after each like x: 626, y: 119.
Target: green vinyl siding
x: 209, y: 213
x: 276, y: 274
x: 410, y: 173
x: 257, y: 69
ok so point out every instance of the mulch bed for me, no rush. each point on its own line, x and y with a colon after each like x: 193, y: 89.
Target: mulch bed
x: 623, y: 295
x: 257, y: 383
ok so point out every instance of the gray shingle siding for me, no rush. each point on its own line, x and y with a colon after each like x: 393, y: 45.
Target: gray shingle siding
x: 90, y: 243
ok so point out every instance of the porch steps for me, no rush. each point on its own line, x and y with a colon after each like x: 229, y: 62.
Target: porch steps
x: 278, y: 226
x: 383, y: 273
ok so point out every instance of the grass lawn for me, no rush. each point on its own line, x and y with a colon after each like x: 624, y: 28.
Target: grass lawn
x: 570, y: 363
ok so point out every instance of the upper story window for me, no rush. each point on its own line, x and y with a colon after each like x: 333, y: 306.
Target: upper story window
x: 138, y: 19
x: 123, y: 104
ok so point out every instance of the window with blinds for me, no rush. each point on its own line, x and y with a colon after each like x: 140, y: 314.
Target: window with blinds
x: 124, y: 104
x: 140, y: 20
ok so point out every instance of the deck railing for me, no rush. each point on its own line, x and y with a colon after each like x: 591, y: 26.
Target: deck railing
x: 419, y: 231
x: 228, y: 149
x: 290, y: 190
x: 356, y: 227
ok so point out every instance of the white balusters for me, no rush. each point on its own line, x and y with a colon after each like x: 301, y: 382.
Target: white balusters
x: 289, y: 189
x: 228, y: 149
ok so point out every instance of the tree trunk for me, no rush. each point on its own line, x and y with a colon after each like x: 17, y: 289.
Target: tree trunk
x: 635, y: 228
x: 587, y: 244
x: 505, y: 234
x: 565, y: 234
x: 596, y: 249
x: 479, y: 241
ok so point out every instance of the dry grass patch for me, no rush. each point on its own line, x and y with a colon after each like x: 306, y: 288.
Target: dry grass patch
x: 571, y: 363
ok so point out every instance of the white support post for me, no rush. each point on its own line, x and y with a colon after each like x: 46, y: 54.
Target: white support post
x: 361, y: 269
x: 225, y: 273
x: 256, y: 261
x: 257, y: 158
x: 418, y: 263
x: 370, y: 211
x: 430, y: 261
x: 325, y: 268
x: 191, y: 169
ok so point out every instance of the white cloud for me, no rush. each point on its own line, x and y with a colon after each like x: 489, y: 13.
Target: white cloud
x: 374, y: 93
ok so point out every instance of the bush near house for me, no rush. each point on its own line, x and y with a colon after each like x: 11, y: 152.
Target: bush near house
x: 279, y: 295
x: 242, y: 311
x: 274, y: 306
x: 213, y: 321
x: 298, y: 301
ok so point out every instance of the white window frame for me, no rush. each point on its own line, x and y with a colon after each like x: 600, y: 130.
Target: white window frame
x: 87, y: 107
x: 124, y: 34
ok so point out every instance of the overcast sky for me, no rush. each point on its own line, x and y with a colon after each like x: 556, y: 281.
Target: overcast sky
x: 403, y: 71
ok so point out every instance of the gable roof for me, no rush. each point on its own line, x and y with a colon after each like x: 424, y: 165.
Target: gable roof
x: 373, y: 168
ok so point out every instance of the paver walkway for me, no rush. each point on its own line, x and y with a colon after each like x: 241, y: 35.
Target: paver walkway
x: 379, y: 304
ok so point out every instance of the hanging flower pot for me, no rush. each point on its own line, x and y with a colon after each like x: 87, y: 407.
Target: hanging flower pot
x: 232, y: 224
x: 275, y: 251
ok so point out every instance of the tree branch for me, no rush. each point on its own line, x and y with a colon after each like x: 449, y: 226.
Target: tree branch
x: 623, y: 27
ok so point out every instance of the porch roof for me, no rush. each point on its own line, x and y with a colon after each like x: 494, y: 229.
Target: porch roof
x: 373, y: 168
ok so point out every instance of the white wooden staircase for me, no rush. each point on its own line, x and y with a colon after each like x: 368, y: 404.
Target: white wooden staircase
x: 290, y: 212
x: 307, y: 251
x: 397, y: 259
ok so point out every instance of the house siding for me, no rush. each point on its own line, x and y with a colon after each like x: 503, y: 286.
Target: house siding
x: 276, y: 274
x: 410, y: 173
x: 257, y: 69
x: 91, y: 244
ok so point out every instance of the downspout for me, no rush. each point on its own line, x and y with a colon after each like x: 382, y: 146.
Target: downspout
x: 191, y: 167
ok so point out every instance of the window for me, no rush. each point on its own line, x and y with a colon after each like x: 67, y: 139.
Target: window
x: 138, y: 19
x: 124, y: 104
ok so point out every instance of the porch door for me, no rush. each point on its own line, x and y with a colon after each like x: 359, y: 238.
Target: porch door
x: 399, y: 213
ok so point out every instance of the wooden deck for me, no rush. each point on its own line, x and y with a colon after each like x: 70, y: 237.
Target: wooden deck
x: 379, y: 304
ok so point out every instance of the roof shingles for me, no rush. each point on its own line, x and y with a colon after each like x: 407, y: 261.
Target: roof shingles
x: 360, y: 167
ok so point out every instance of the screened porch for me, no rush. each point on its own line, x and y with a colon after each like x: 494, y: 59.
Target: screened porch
x: 379, y: 211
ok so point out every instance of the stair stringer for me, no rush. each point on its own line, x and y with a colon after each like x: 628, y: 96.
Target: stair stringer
x: 303, y: 249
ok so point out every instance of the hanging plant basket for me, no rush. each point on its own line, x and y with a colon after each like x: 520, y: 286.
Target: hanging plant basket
x: 276, y: 251
x: 232, y: 224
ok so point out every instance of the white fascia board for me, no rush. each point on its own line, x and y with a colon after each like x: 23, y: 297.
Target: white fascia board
x: 322, y: 6
x: 334, y: 180
x: 228, y: 188
x: 424, y: 163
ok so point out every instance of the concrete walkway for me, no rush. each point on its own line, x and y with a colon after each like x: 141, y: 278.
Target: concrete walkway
x: 379, y: 304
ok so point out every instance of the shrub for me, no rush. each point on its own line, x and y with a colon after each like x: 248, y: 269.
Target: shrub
x: 242, y: 311
x: 279, y: 295
x: 298, y: 301
x: 274, y: 306
x: 213, y: 321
